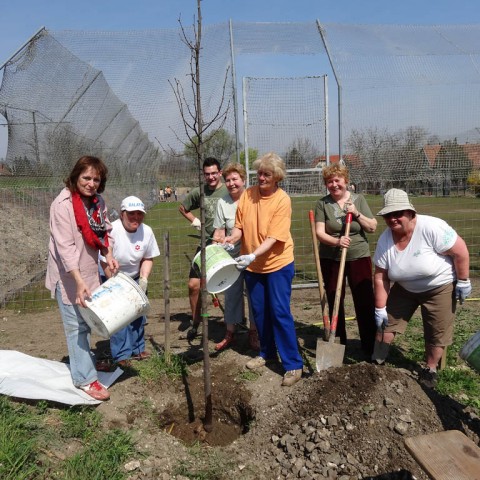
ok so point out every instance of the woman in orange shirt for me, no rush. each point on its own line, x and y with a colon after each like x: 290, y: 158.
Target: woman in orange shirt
x: 262, y: 223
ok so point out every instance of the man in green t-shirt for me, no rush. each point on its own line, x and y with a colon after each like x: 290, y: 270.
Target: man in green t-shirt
x: 213, y: 190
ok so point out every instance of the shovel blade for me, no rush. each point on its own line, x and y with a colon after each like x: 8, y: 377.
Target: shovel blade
x: 329, y: 355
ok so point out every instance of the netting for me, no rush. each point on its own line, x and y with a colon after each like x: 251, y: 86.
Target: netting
x: 291, y: 114
x: 402, y: 103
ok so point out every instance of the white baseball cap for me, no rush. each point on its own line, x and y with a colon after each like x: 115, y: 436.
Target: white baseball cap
x: 132, y: 204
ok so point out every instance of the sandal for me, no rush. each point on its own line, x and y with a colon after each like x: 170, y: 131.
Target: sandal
x: 253, y: 340
x: 226, y: 342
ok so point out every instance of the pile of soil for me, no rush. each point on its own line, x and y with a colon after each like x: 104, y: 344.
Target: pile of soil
x: 344, y: 423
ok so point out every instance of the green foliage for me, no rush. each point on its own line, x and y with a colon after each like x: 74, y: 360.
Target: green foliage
x: 473, y: 181
x: 252, y: 156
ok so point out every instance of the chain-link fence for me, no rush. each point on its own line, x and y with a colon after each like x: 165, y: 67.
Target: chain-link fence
x: 403, y: 105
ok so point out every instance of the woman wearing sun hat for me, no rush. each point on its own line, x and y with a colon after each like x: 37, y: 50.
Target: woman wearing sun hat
x: 419, y: 261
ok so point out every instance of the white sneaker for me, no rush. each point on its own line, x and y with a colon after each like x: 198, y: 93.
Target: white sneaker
x: 291, y: 377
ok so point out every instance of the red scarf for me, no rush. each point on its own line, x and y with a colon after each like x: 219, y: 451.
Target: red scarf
x: 97, y: 238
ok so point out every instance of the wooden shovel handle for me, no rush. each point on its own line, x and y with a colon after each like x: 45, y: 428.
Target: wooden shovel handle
x: 321, y: 289
x: 338, y: 291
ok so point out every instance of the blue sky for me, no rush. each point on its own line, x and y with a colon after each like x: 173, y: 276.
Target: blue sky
x: 22, y: 18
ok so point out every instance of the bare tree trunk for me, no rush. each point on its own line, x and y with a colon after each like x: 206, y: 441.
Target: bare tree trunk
x: 207, y: 423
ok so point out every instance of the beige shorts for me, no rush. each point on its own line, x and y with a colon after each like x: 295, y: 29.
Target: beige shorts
x: 437, y: 307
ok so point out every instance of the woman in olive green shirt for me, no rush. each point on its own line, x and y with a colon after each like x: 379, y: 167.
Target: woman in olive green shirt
x: 330, y: 214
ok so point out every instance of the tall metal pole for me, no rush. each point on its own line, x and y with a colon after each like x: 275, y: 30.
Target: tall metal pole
x: 245, y: 128
x: 327, y: 133
x: 340, y: 120
x: 234, y: 93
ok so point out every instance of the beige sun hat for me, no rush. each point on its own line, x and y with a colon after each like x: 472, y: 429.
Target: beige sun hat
x: 394, y: 201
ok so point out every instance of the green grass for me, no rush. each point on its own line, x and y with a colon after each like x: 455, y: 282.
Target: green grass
x: 157, y: 366
x: 248, y: 375
x: 460, y: 212
x: 457, y: 379
x: 204, y: 464
x: 26, y: 434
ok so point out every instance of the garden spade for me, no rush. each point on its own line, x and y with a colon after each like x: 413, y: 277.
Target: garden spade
x: 330, y: 354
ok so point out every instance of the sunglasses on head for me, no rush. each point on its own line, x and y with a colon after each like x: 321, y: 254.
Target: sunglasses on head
x: 396, y: 214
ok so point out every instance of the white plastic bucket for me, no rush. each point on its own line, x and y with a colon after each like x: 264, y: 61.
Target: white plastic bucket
x: 221, y: 269
x: 115, y: 304
x: 470, y: 352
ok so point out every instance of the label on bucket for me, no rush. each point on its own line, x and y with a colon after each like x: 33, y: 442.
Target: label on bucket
x: 221, y: 269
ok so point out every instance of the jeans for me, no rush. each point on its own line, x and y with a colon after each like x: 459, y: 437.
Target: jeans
x: 77, y: 333
x: 128, y: 341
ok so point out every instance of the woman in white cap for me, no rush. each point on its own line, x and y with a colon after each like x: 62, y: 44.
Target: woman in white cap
x: 419, y: 261
x: 135, y: 248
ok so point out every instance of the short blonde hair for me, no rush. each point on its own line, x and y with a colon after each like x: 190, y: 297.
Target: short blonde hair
x: 271, y: 161
x: 336, y: 170
x: 234, y: 167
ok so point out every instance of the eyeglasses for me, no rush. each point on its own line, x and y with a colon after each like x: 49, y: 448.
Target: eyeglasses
x: 398, y: 214
x: 211, y: 174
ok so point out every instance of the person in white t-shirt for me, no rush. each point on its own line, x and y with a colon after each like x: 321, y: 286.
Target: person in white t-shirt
x: 419, y: 261
x: 135, y: 248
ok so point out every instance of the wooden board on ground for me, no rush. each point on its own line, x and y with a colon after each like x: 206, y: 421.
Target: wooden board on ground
x: 449, y: 455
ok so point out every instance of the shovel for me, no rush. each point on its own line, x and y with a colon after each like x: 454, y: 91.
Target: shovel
x: 321, y: 289
x: 330, y: 354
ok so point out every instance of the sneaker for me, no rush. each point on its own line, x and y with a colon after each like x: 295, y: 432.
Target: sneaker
x: 192, y: 333
x: 291, y: 377
x: 96, y: 390
x: 428, y: 377
x: 226, y: 342
x: 253, y: 340
x: 255, y: 363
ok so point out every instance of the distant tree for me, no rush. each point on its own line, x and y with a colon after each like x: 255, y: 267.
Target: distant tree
x: 22, y: 166
x: 218, y: 143
x: 453, y: 166
x: 300, y: 153
x: 252, y: 156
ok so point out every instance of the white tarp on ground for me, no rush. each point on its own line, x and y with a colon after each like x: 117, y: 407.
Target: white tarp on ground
x: 24, y: 376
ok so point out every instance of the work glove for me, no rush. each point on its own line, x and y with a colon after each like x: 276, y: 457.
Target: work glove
x: 245, y: 260
x: 196, y: 223
x: 381, y: 318
x: 462, y: 290
x: 227, y: 246
x: 143, y: 284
